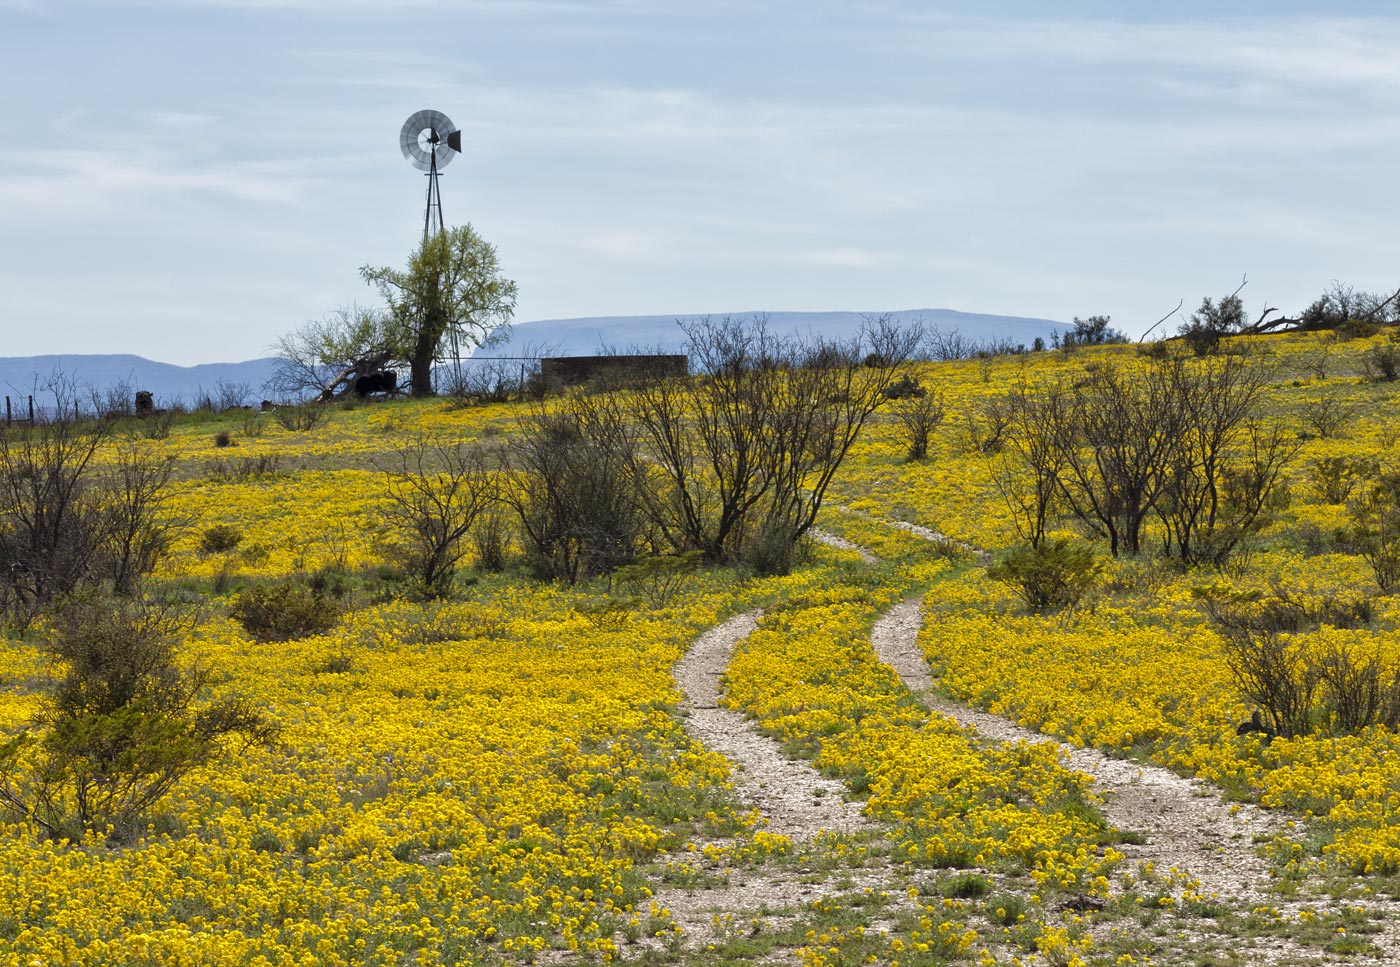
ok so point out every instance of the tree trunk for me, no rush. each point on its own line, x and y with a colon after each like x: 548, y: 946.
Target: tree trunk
x: 425, y: 352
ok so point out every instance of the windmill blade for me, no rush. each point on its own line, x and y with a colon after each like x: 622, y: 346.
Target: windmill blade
x: 427, y: 135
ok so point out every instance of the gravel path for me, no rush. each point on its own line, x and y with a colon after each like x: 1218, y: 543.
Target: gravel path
x: 832, y: 540
x: 796, y: 800
x: 1187, y: 826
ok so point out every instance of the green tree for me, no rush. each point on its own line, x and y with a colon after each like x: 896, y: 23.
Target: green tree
x: 453, y: 285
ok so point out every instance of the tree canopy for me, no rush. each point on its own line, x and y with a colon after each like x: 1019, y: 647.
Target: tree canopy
x: 452, y: 286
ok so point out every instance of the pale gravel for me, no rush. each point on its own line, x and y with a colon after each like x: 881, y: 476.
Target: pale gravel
x: 1188, y: 827
x: 794, y: 798
x: 832, y: 540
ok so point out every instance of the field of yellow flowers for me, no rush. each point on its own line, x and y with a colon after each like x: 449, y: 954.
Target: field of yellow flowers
x: 1138, y: 670
x: 498, y: 777
x: 502, y: 777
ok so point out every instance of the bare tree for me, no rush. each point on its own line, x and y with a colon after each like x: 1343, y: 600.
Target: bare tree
x: 748, y: 446
x: 1119, y: 433
x: 1226, y: 471
x: 324, y: 355
x: 920, y: 414
x: 436, y: 492
x: 577, y: 482
x: 1171, y: 437
x: 1027, y: 471
x: 948, y: 346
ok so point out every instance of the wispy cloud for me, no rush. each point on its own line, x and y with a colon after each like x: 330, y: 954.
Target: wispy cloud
x: 181, y: 119
x: 1292, y: 52
x: 393, y: 8
x: 106, y: 183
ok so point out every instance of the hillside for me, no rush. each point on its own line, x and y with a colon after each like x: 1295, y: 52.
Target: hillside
x: 582, y: 337
x: 104, y: 374
x: 887, y: 754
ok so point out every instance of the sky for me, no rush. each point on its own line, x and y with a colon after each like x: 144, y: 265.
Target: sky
x: 188, y: 179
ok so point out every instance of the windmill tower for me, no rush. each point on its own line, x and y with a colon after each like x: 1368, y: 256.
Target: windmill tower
x: 430, y: 141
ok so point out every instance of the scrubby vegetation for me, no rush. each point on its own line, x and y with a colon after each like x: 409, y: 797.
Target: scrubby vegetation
x: 395, y: 686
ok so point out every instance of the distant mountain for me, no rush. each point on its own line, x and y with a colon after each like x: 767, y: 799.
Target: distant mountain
x: 94, y: 375
x: 102, y: 378
x: 584, y: 337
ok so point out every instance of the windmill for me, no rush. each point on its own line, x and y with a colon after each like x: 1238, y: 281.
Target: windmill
x: 429, y: 140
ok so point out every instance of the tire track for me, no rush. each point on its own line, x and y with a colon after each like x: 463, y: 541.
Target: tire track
x: 1188, y: 827
x: 795, y: 799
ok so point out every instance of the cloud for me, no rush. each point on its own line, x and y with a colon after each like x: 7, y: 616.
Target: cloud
x: 116, y: 183
x: 1284, y: 52
x: 391, y: 8
x: 181, y: 119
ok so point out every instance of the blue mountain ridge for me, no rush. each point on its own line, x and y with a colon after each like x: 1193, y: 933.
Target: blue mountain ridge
x: 94, y: 376
x: 586, y: 336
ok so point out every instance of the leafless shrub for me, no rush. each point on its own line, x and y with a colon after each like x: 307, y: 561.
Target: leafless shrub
x: 919, y: 416
x: 985, y: 427
x: 436, y: 492
x: 242, y: 469
x: 491, y: 539
x: 1328, y: 415
x: 577, y: 483
x: 1302, y: 688
x: 114, y: 400
x: 744, y: 451
x: 230, y: 395
x: 946, y: 346
x: 251, y: 424
x: 69, y: 524
x: 1375, y: 530
x: 1382, y: 362
x: 1334, y: 478
x: 300, y: 417
x: 157, y: 426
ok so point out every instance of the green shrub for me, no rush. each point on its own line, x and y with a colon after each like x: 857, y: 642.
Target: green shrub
x: 1006, y: 909
x: 224, y: 438
x: 1375, y: 531
x: 121, y: 724
x: 1052, y: 575
x: 220, y: 538
x: 281, y: 612
x: 1383, y: 362
x: 658, y: 579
